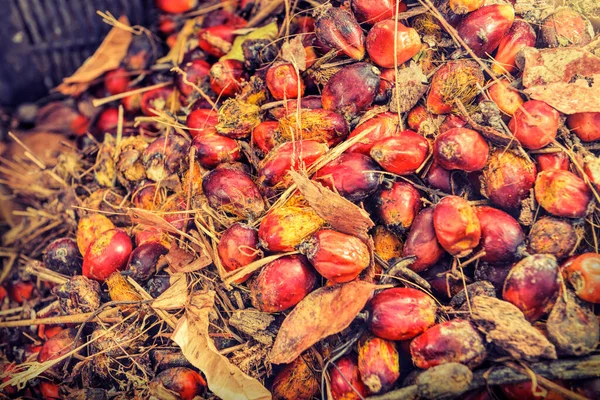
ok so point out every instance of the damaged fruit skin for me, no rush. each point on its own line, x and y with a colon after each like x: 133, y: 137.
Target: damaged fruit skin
x: 213, y: 149
x: 336, y: 256
x: 584, y: 275
x: 281, y: 284
x: 422, y: 242
x: 63, y: 256
x: 550, y: 161
x: 296, y: 381
x: 352, y: 175
x: 452, y: 341
x: 226, y: 77
x: 552, y: 236
x: 381, y: 126
x: 107, y: 254
x: 507, y: 99
x: 585, y: 125
x: 164, y: 156
x: 483, y: 29
x: 283, y: 228
x: 386, y: 244
x: 283, y: 82
x: 562, y: 194
x: 461, y: 148
x: 534, y: 124
x: 401, y: 154
x: 232, y: 191
x: 502, y: 238
x: 337, y: 28
x: 388, y: 36
x: 352, y: 89
x: 519, y: 36
x: 238, y: 247
x: 398, y: 206
x: 454, y: 80
x: 345, y: 380
x: 185, y: 382
x: 378, y: 363
x: 532, y: 285
x: 400, y: 313
x: 456, y: 225
x: 565, y: 28
x: 89, y: 228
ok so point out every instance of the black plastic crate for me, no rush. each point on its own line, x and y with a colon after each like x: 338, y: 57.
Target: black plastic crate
x: 43, y: 41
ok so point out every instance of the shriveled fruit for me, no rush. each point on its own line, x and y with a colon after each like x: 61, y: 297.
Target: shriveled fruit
x: 238, y: 247
x: 400, y: 313
x: 565, y: 28
x: 456, y: 225
x: 336, y: 256
x: 507, y: 179
x: 345, y: 380
x: 226, y: 77
x: 283, y: 228
x: 283, y: 82
x: 337, y: 28
x: 552, y: 236
x: 232, y: 191
x: 282, y: 283
x: 562, y: 193
x: 454, y: 80
x: 532, y: 285
x: 406, y: 43
x: 502, y: 238
x: 422, y: 242
x: 352, y: 89
x: 585, y: 125
x: 519, y: 36
x: 462, y: 149
x: 296, y: 381
x: 185, y: 382
x: 163, y: 157
x: 483, y: 29
x: 534, y: 124
x: 107, y: 254
x: 89, y: 228
x: 78, y: 295
x: 398, y: 206
x: 584, y: 274
x: 401, y: 154
x: 143, y: 259
x: 378, y: 363
x: 451, y: 341
x: 63, y: 256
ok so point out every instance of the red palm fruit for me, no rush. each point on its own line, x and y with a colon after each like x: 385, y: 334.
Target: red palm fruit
x: 107, y: 254
x: 524, y: 391
x: 80, y: 125
x: 381, y: 126
x: 584, y: 274
x: 552, y: 236
x: 216, y: 40
x: 264, y: 135
x: 507, y: 179
x: 454, y: 80
x: 373, y: 11
x: 345, y: 380
x: 89, y: 228
x: 378, y: 363
x: 238, y: 247
x: 20, y: 291
x: 562, y: 194
x: 506, y: 98
x: 283, y: 82
x: 461, y: 148
x: 534, y: 124
x: 297, y: 380
x: 422, y: 243
x: 156, y: 100
x: 389, y: 36
x: 164, y: 156
x: 483, y: 29
x: 146, y: 233
x: 143, y: 260
x: 550, y: 161
x: 59, y: 345
x: 107, y: 120
x: 386, y: 84
x: 451, y: 341
x: 352, y: 89
x: 417, y: 116
x: 283, y: 228
x: 519, y: 36
x: 196, y: 72
x: 186, y: 383
x: 117, y: 81
x: 174, y: 211
x: 213, y: 149
x: 450, y: 122
x: 336, y: 256
x: 176, y: 6
x: 352, y: 175
x: 401, y: 313
x: 592, y: 169
x: 565, y: 28
x: 398, y: 206
x: 132, y: 103
x: 63, y: 256
x: 49, y: 390
x: 502, y: 238
x: 456, y: 225
x: 282, y: 283
x: 337, y: 28
x: 275, y: 166
x: 532, y: 285
x: 226, y: 77
x: 231, y: 190
x: 200, y: 119
x: 313, y: 124
x: 386, y: 244
x: 148, y: 195
x: 304, y: 24
x: 465, y: 6
x: 439, y: 178
x: 291, y: 106
x: 402, y: 153
x: 585, y: 125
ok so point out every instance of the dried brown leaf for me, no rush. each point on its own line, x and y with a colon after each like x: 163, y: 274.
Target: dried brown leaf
x: 293, y: 52
x: 411, y: 85
x: 322, y: 313
x: 175, y: 296
x: 224, y: 379
x: 183, y: 261
x: 340, y: 213
x: 108, y: 56
x: 568, y: 79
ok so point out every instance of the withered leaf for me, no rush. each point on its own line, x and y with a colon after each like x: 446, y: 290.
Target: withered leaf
x: 293, y: 51
x: 175, y: 296
x: 224, y: 379
x: 183, y: 261
x: 568, y: 79
x: 108, y: 56
x: 506, y: 328
x: 340, y: 213
x: 411, y: 85
x: 322, y: 313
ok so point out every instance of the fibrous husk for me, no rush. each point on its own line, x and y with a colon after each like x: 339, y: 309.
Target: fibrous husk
x: 507, y: 329
x: 253, y: 323
x: 78, y: 295
x: 411, y: 85
x: 444, y: 381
